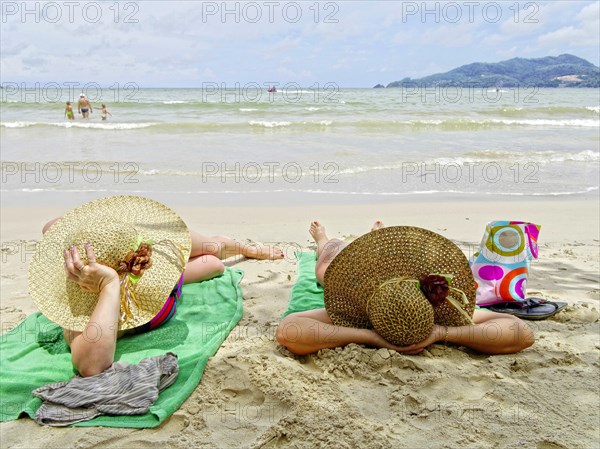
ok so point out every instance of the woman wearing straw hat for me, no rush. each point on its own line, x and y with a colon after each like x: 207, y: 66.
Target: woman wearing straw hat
x: 115, y: 266
x: 401, y: 288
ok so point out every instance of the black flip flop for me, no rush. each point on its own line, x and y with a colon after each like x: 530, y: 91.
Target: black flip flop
x: 530, y: 309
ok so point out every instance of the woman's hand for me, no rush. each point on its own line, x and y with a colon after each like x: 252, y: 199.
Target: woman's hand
x: 378, y: 341
x: 92, y: 277
x: 437, y: 334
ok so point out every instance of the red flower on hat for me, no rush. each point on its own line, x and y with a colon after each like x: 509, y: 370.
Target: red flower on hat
x: 434, y: 287
x: 135, y: 262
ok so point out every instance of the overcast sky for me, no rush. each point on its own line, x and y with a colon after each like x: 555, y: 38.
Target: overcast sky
x: 352, y: 44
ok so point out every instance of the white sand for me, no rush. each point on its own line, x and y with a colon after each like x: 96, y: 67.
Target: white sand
x: 255, y: 394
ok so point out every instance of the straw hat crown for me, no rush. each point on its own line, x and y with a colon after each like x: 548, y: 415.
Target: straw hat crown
x: 114, y: 226
x: 373, y: 283
x: 400, y: 313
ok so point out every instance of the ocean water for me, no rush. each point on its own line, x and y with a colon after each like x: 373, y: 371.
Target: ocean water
x: 244, y: 144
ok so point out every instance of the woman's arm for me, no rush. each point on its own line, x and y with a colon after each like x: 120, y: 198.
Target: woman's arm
x: 492, y: 333
x: 307, y: 332
x: 93, y: 350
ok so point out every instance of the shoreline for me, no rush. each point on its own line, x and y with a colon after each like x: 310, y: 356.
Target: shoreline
x: 68, y: 200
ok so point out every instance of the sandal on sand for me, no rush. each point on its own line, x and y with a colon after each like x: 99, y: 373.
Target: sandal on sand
x: 530, y: 309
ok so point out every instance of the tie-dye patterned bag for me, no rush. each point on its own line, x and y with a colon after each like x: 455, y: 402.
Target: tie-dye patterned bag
x: 502, y: 264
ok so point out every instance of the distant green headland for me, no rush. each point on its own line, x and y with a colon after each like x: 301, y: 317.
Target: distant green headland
x: 552, y: 71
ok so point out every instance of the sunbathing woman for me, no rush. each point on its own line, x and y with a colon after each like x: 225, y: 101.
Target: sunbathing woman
x: 309, y: 331
x: 92, y: 338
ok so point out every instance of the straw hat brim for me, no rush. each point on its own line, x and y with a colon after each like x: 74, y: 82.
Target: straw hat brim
x: 394, y: 252
x: 62, y: 301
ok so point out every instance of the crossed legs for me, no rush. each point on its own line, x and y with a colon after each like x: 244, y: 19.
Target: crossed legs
x: 207, y: 252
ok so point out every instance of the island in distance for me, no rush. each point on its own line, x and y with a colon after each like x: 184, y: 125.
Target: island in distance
x: 551, y: 71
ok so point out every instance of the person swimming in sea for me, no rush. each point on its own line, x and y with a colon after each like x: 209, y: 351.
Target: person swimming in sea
x: 104, y: 112
x: 84, y: 107
x: 69, y: 111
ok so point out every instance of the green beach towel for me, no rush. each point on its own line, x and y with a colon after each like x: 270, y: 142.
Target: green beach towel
x: 307, y: 293
x: 34, y: 353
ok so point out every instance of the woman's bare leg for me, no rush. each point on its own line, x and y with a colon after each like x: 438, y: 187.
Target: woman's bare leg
x: 328, y: 249
x: 202, y: 268
x: 49, y: 225
x: 207, y: 253
x: 223, y: 247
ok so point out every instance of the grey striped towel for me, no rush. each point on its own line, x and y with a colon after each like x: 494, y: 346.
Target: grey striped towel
x: 122, y: 389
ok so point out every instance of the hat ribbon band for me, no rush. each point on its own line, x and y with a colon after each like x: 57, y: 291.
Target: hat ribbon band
x: 130, y: 301
x: 457, y: 305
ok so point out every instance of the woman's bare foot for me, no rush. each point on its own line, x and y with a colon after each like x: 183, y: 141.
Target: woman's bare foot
x: 317, y: 231
x: 377, y: 225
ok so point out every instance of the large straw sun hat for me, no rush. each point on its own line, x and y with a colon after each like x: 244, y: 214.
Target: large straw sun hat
x: 115, y: 226
x: 390, y: 279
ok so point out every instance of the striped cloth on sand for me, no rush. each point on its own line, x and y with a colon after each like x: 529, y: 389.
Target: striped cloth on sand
x: 123, y: 389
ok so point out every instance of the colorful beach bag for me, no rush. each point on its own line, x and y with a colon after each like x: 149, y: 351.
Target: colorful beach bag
x: 502, y: 264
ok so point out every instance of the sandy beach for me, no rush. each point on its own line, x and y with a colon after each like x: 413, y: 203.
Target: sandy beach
x: 255, y: 394
x: 253, y: 119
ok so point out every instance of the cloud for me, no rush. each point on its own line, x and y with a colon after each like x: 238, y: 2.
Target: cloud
x: 402, y: 37
x: 584, y: 33
x: 282, y: 49
x: 450, y: 36
x: 292, y: 76
x: 177, y: 43
x: 590, y: 14
x: 14, y: 49
x: 522, y: 23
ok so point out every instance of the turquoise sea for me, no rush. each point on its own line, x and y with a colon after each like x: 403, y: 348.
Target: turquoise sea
x: 242, y: 145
